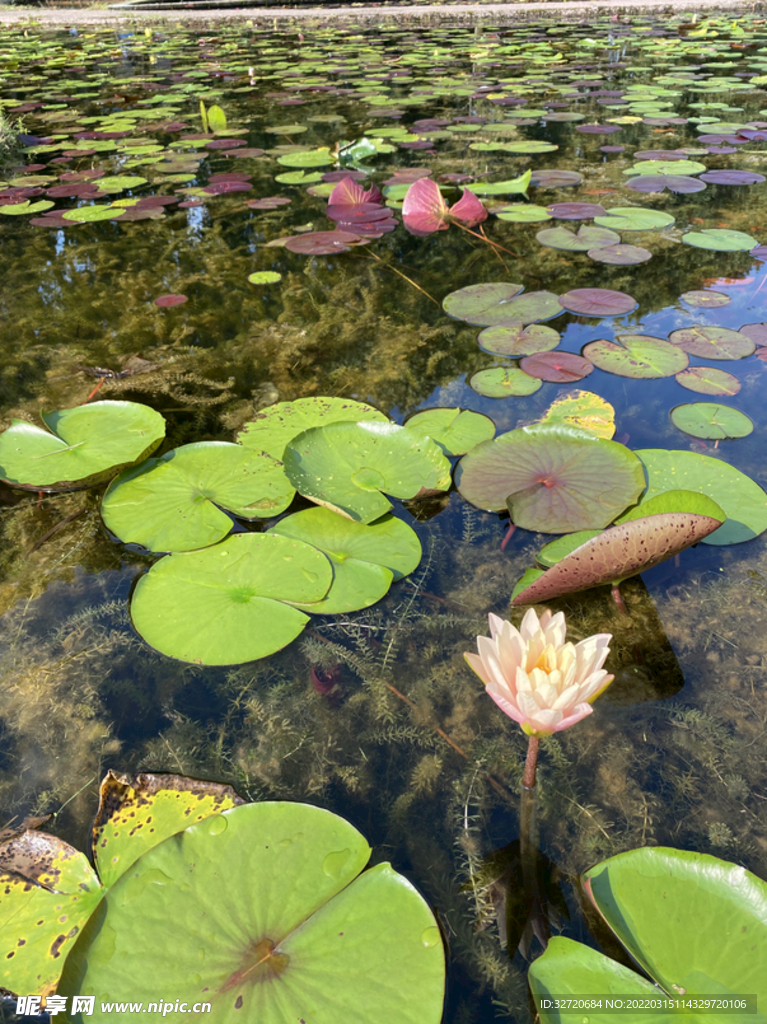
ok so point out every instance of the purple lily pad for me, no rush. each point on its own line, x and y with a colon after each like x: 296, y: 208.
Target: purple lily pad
x: 658, y: 182
x: 557, y: 367
x: 247, y: 153
x: 555, y: 179
x: 551, y: 479
x: 336, y: 176
x: 223, y: 187
x: 756, y: 332
x: 612, y: 149
x: 365, y: 213
x: 622, y: 255
x: 576, y: 211
x: 702, y: 299
x: 713, y: 342
x: 268, y: 203
x: 170, y: 300
x: 323, y: 243
x: 597, y: 129
x: 659, y: 154
x: 759, y: 252
x: 732, y: 178
x: 597, y: 302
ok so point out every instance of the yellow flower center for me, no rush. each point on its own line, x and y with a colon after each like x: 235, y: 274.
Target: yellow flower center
x: 547, y: 661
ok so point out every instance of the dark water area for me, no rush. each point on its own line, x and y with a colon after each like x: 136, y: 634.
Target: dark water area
x: 675, y: 752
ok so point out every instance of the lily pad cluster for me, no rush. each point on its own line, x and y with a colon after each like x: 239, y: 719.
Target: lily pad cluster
x: 213, y: 901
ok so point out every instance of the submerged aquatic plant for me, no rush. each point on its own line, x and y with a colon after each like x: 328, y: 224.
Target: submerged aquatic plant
x: 539, y: 680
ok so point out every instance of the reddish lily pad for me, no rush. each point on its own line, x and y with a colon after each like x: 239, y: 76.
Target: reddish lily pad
x: 597, y: 302
x: 707, y: 380
x: 517, y: 340
x: 756, y: 332
x: 636, y: 355
x: 170, y: 300
x: 702, y: 299
x: 713, y: 342
x: 622, y: 255
x: 425, y: 211
x: 551, y: 478
x: 557, y: 367
x: 658, y: 182
x: 586, y: 238
x: 323, y: 243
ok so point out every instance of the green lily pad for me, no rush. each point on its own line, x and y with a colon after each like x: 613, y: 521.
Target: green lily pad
x: 517, y: 339
x: 710, y: 420
x: 365, y: 559
x: 636, y: 355
x: 551, y: 478
x: 285, y: 927
x: 720, y: 240
x: 708, y: 380
x: 636, y: 544
x: 347, y: 466
x: 230, y: 603
x: 703, y: 299
x: 87, y: 445
x: 265, y: 277
x: 622, y: 255
x: 742, y: 499
x: 309, y: 158
x: 91, y: 214
x: 677, y: 167
x: 634, y: 218
x: 527, y: 308
x: 588, y: 237
x: 583, y: 410
x: 713, y: 342
x: 278, y: 424
x: 503, y: 382
x: 298, y: 178
x: 502, y: 188
x: 119, y: 182
x: 529, y: 146
x: 174, y: 503
x: 456, y: 431
x: 477, y: 301
x: 523, y: 213
x: 18, y: 209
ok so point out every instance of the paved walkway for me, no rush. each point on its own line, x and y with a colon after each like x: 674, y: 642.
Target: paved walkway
x: 463, y: 12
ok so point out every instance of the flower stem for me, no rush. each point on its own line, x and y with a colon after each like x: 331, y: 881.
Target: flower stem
x: 531, y: 762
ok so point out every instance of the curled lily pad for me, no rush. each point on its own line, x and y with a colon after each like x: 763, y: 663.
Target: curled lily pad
x: 503, y: 382
x: 175, y: 503
x: 586, y: 238
x: 710, y: 420
x: 597, y: 302
x: 625, y: 550
x: 556, y: 367
x: 502, y: 188
x: 743, y: 500
x: 551, y: 478
x: 365, y: 559
x: 708, y: 380
x: 720, y: 240
x: 634, y: 218
x: 636, y: 355
x: 230, y: 603
x: 583, y: 410
x: 278, y: 424
x: 622, y: 255
x: 476, y: 301
x: 456, y: 431
x: 347, y: 466
x: 703, y: 299
x: 712, y: 342
x: 517, y: 339
x: 86, y: 445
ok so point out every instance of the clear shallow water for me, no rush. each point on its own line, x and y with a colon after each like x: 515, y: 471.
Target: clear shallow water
x: 82, y: 692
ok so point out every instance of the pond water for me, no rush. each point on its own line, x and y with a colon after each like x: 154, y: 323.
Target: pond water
x: 675, y: 752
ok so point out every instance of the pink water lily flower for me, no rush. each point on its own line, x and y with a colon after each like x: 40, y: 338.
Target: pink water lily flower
x: 537, y: 679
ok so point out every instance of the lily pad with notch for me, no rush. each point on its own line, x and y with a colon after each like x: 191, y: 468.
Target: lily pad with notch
x: 583, y: 410
x: 622, y: 255
x: 474, y: 301
x: 557, y: 367
x: 708, y: 380
x: 517, y: 339
x: 230, y: 603
x: 365, y: 559
x: 720, y: 240
x: 636, y: 355
x: 587, y: 237
x: 456, y: 431
x: 179, y: 502
x: 634, y: 218
x: 711, y: 421
x: 681, y: 183
x: 709, y: 342
x: 598, y: 302
x: 86, y: 446
x: 551, y: 478
x: 703, y: 299
x: 278, y: 424
x: 504, y: 382
x: 348, y: 467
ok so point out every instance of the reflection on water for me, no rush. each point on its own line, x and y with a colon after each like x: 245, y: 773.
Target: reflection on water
x: 658, y: 761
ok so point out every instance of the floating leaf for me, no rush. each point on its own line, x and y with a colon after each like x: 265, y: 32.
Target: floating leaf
x: 175, y: 503
x: 623, y: 551
x: 726, y: 177
x: 583, y: 410
x: 347, y: 466
x: 685, y: 168
x: 756, y: 332
x: 707, y: 380
x: 456, y: 431
x: 586, y: 238
x: 712, y: 342
x: 705, y: 299
x: 276, y: 425
x: 710, y: 420
x: 501, y: 188
x: 575, y: 211
x: 87, y: 445
x: 622, y: 255
x: 634, y: 218
x: 658, y: 182
x: 90, y: 214
x: 165, y: 301
x: 503, y: 382
x: 282, y: 920
x: 720, y: 240
x: 636, y: 355
x: 365, y: 559
x: 556, y: 367
x: 597, y: 302
x: 265, y: 277
x: 743, y: 500
x: 553, y: 478
x: 522, y: 213
x: 19, y: 209
x: 555, y: 178
x: 517, y: 340
x: 425, y: 211
x: 230, y: 603
x: 476, y: 301
x: 323, y: 243
x: 308, y: 158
